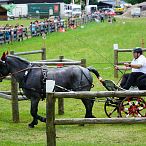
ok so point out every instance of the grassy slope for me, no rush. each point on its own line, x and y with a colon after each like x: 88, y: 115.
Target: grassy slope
x: 95, y: 43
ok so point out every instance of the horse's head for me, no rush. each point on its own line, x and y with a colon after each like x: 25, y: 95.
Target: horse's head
x: 4, y: 69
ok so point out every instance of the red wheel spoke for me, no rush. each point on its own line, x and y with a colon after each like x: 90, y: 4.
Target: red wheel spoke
x: 133, y: 107
x: 140, y: 108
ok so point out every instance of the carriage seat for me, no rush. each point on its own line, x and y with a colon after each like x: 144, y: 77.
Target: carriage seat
x: 111, y: 86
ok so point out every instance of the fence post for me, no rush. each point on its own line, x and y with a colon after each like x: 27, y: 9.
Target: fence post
x: 83, y: 62
x: 67, y: 23
x: 43, y: 53
x: 49, y: 27
x: 61, y: 58
x: 115, y: 47
x: 15, y: 107
x: 61, y: 100
x: 142, y: 43
x: 50, y: 117
x: 56, y: 27
x: 14, y: 93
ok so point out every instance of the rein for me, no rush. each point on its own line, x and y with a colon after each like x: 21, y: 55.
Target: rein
x: 25, y: 69
x: 99, y: 52
x: 19, y: 71
x: 121, y: 77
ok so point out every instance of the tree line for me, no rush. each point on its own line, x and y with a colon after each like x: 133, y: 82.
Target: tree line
x: 134, y: 1
x: 94, y: 2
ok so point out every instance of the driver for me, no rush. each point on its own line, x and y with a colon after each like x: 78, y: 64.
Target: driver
x: 138, y: 66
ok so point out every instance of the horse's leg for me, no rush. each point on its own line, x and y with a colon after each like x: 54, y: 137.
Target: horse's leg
x: 42, y: 119
x: 33, y: 111
x: 88, y: 103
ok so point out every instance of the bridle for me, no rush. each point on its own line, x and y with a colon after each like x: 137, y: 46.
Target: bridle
x: 19, y: 71
x: 22, y: 70
x: 1, y: 75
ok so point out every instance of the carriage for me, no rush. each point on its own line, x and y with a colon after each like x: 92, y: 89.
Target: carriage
x: 123, y: 106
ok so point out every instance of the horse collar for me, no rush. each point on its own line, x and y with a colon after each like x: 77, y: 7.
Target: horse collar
x: 43, y: 82
x: 44, y: 73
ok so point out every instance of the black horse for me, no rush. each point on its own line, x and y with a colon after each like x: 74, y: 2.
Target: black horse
x: 31, y: 79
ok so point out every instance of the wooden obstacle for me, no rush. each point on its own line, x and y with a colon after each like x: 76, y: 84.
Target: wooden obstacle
x: 42, y: 52
x: 116, y: 57
x: 50, y: 111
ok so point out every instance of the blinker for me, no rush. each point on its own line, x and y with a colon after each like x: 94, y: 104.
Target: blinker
x: 3, y: 58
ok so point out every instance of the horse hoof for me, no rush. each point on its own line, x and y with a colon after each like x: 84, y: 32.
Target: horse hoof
x: 93, y: 116
x: 43, y: 119
x: 30, y: 126
x: 35, y: 123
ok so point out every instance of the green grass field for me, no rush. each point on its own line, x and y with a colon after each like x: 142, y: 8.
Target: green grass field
x: 95, y: 43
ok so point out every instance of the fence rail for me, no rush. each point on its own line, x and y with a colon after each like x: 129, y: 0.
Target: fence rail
x: 50, y: 111
x: 9, y: 35
x: 99, y: 121
x: 99, y: 94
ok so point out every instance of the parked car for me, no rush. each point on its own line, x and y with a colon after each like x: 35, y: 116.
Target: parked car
x: 135, y: 12
x: 119, y: 10
x: 109, y: 11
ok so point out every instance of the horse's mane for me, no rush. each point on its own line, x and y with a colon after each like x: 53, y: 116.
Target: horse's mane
x: 19, y: 58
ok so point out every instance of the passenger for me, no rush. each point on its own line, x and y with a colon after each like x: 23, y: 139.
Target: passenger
x: 138, y: 66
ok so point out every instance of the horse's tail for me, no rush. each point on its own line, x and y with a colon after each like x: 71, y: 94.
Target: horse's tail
x: 93, y: 70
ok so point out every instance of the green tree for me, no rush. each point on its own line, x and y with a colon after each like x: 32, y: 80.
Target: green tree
x: 134, y: 1
x: 67, y: 1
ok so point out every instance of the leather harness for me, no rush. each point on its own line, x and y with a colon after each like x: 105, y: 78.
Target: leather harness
x: 44, y: 71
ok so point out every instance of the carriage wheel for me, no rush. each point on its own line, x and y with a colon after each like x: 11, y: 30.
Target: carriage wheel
x: 133, y: 107
x: 111, y: 107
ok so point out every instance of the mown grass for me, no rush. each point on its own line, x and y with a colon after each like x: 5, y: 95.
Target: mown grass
x: 95, y: 43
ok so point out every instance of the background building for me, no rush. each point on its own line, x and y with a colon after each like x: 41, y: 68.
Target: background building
x: 6, y: 1
x: 36, y: 1
x: 28, y: 1
x: 3, y: 13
